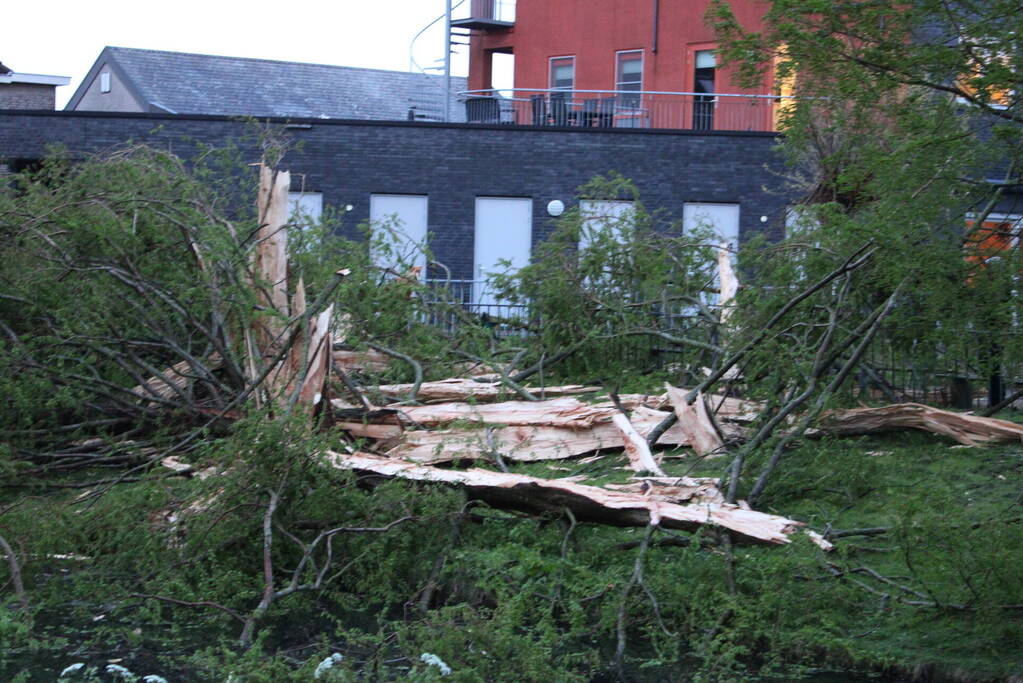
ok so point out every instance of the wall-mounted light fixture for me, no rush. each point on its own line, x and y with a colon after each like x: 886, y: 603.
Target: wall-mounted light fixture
x: 555, y: 207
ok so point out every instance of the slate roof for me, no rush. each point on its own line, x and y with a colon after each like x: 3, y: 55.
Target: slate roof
x: 184, y: 83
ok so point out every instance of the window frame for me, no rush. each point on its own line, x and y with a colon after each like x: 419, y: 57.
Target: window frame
x: 550, y: 73
x: 618, y: 68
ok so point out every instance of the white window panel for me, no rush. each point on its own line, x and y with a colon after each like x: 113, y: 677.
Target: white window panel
x: 504, y: 233
x: 601, y: 216
x: 399, y: 226
x: 305, y: 207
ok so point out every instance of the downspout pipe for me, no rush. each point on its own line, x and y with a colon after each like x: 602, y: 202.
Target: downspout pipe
x: 657, y: 21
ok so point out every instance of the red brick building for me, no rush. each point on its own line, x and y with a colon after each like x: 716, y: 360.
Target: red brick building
x: 662, y: 50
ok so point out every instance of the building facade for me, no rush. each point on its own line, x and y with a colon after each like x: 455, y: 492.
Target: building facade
x: 655, y: 58
x: 476, y: 193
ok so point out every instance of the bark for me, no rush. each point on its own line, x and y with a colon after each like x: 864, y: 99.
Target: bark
x: 587, y: 503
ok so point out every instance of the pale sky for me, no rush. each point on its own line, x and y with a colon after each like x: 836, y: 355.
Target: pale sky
x: 64, y: 37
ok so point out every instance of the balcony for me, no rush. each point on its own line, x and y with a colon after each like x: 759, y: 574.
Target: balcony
x: 487, y: 15
x: 625, y: 109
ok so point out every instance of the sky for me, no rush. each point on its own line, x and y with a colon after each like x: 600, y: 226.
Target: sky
x: 64, y: 37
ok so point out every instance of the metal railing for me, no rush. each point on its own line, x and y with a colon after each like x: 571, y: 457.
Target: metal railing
x: 624, y: 109
x: 492, y: 10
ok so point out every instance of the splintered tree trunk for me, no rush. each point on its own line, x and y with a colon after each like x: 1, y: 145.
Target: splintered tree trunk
x: 969, y: 430
x: 636, y: 448
x: 695, y: 423
x: 587, y: 503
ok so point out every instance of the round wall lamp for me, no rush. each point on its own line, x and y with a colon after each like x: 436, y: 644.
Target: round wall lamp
x: 555, y: 207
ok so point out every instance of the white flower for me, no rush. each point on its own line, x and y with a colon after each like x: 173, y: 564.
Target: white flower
x: 326, y: 664
x: 153, y: 678
x: 77, y: 666
x: 434, y: 660
x: 120, y: 672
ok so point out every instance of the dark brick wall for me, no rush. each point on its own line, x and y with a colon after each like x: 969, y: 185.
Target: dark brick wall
x: 27, y: 96
x: 455, y: 163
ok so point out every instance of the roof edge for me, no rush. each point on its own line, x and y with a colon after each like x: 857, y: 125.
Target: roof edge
x: 35, y: 79
x: 105, y: 57
x: 312, y: 122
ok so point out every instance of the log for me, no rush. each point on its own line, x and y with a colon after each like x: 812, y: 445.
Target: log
x: 522, y: 443
x: 366, y: 361
x: 636, y: 448
x: 695, y: 423
x: 969, y: 430
x: 462, y: 389
x: 559, y: 412
x: 587, y: 503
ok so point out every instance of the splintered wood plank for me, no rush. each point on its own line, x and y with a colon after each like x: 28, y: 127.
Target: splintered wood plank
x: 695, y: 423
x: 728, y: 282
x: 559, y: 412
x: 456, y: 389
x: 675, y: 489
x: 317, y: 359
x: 636, y: 448
x: 524, y: 443
x: 367, y: 361
x: 174, y: 379
x: 588, y: 503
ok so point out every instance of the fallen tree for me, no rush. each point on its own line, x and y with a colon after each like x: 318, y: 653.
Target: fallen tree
x: 968, y: 430
x: 589, y: 503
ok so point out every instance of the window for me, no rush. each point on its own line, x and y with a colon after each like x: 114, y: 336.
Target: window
x: 604, y: 217
x: 998, y: 235
x: 703, y: 82
x: 104, y: 82
x: 629, y: 75
x: 607, y: 225
x: 398, y: 233
x: 562, y: 75
x: 305, y: 208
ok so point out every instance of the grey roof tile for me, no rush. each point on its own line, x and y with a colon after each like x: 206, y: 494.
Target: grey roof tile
x: 186, y: 83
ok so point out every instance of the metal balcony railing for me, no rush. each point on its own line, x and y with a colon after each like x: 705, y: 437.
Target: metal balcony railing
x: 625, y: 109
x: 484, y: 14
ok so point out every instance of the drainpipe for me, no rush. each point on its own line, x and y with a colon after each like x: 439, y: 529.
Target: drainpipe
x: 657, y: 21
x: 447, y: 62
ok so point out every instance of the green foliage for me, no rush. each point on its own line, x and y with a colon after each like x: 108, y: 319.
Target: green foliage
x: 622, y: 288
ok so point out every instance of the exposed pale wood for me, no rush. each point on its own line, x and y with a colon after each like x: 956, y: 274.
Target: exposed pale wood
x: 271, y: 254
x: 318, y: 359
x: 587, y: 503
x: 969, y: 430
x: 674, y: 489
x: 461, y: 389
x: 728, y: 282
x: 524, y: 443
x: 368, y: 360
x: 695, y: 423
x: 560, y: 412
x: 175, y: 379
x: 636, y: 448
